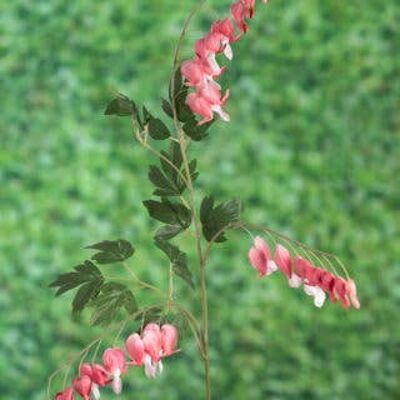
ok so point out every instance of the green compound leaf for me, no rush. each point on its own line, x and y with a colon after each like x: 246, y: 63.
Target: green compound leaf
x: 108, y: 303
x: 112, y: 251
x: 178, y: 260
x: 87, y: 277
x: 215, y: 219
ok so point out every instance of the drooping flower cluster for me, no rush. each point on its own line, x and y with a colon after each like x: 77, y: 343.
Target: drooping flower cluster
x: 202, y: 71
x: 316, y: 281
x: 146, y: 349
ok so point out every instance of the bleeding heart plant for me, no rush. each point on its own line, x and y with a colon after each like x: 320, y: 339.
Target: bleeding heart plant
x: 193, y: 93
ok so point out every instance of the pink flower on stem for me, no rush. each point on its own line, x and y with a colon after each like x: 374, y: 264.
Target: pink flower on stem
x: 135, y: 348
x: 283, y: 260
x: 200, y: 72
x: 240, y: 14
x: 169, y: 339
x: 260, y: 258
x: 206, y: 50
x: 154, y: 344
x: 352, y: 292
x: 317, y: 281
x: 98, y: 376
x: 225, y: 27
x: 83, y: 386
x: 67, y: 394
x: 204, y: 107
x: 115, y: 365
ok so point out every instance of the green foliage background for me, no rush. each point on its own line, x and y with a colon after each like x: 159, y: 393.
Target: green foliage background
x: 312, y: 149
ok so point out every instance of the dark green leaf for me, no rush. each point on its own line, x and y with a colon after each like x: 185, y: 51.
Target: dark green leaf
x: 166, y: 106
x: 215, y: 219
x: 194, y: 131
x: 121, y: 106
x: 87, y: 277
x: 108, y: 303
x: 167, y: 232
x: 178, y: 260
x: 184, y: 113
x: 157, y: 129
x: 175, y: 84
x: 165, y: 184
x: 192, y: 170
x: 169, y: 212
x: 112, y: 251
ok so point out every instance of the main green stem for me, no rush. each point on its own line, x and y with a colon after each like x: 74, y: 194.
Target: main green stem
x: 202, y: 272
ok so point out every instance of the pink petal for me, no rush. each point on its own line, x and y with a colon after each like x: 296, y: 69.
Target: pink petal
x: 239, y: 13
x: 258, y: 261
x: 114, y: 361
x: 169, y: 339
x: 152, y: 344
x: 83, y: 386
x: 283, y: 260
x: 352, y: 291
x: 67, y: 394
x: 135, y: 348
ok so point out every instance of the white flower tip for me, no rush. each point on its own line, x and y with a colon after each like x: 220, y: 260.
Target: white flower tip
x: 117, y: 385
x: 228, y: 52
x: 295, y: 281
x: 272, y: 267
x: 319, y: 297
x: 95, y: 392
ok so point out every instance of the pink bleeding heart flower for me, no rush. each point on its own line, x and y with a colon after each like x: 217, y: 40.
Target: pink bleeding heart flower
x: 169, y: 339
x: 135, y: 348
x: 152, y: 344
x: 211, y: 92
x: 205, y: 50
x: 302, y: 266
x: 352, y: 292
x: 250, y: 7
x: 152, y: 339
x: 114, y: 363
x: 98, y: 376
x: 240, y: 13
x: 215, y: 43
x: 283, y: 260
x: 67, y: 394
x: 327, y: 281
x: 258, y: 256
x: 83, y: 386
x: 207, y: 101
x: 193, y: 72
x: 314, y: 276
x: 225, y: 27
x: 200, y: 106
x: 340, y: 290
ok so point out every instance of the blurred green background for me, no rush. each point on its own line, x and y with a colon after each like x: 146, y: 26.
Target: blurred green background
x: 313, y: 150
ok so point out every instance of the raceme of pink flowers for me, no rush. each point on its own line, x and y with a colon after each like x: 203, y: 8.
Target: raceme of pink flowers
x: 317, y: 282
x: 148, y: 349
x: 202, y: 71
